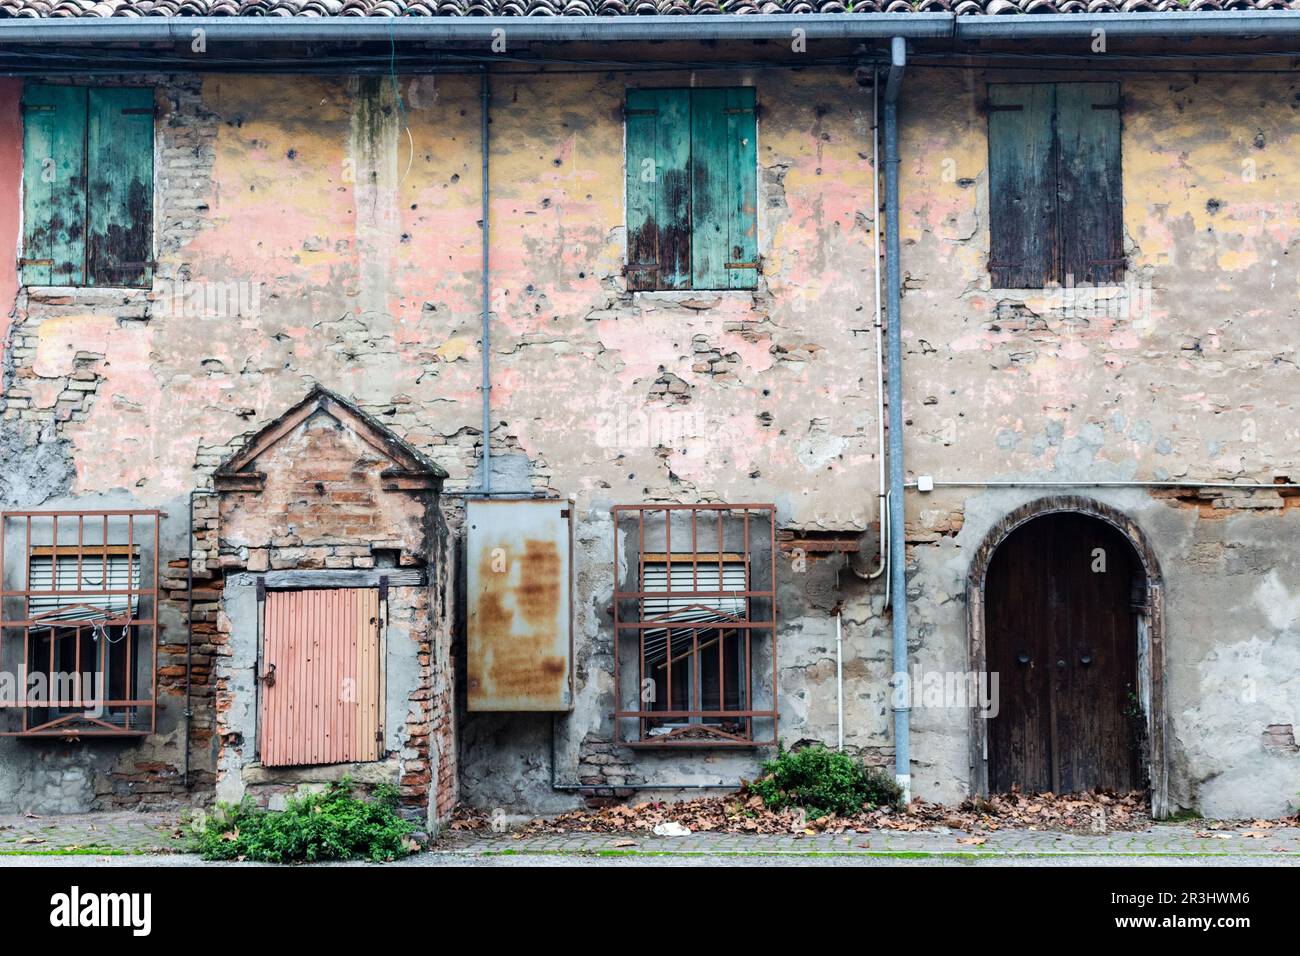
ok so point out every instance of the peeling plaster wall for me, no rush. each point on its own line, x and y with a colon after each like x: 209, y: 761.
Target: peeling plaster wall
x: 322, y: 230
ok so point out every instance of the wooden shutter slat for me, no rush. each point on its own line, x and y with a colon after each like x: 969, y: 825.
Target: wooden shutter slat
x: 742, y: 166
x: 120, y: 171
x: 54, y: 184
x: 1022, y: 186
x: 1089, y: 183
x: 658, y: 210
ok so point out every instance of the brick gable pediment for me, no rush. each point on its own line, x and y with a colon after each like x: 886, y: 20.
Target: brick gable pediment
x: 402, y: 468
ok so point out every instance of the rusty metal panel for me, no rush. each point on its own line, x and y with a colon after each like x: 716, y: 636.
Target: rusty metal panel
x: 519, y: 569
x: 321, y: 677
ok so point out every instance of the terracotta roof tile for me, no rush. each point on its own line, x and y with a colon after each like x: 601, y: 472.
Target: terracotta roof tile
x: 601, y: 8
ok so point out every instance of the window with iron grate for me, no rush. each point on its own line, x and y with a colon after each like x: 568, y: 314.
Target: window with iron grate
x: 694, y: 617
x: 78, y: 622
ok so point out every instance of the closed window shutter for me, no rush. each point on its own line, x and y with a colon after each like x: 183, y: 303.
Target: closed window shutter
x: 322, y: 677
x: 1089, y: 183
x: 658, y: 191
x: 724, y: 189
x: 1022, y: 186
x: 121, y: 187
x: 54, y: 185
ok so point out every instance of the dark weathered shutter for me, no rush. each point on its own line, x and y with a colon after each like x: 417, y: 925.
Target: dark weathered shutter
x: 120, y: 163
x: 710, y: 189
x: 1088, y: 183
x: 54, y: 185
x: 658, y: 190
x: 1022, y: 185
x: 724, y: 189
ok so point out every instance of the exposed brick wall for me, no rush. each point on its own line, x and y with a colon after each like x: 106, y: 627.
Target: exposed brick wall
x: 322, y: 505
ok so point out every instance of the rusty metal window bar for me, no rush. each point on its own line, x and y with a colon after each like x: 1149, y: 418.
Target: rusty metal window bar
x: 695, y: 625
x: 78, y: 623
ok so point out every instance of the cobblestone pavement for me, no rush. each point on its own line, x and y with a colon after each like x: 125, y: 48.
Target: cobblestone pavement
x: 117, y: 833
x: 155, y: 838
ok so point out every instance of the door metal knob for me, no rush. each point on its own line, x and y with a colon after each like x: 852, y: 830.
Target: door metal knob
x: 1085, y: 660
x: 1023, y: 659
x: 1060, y: 663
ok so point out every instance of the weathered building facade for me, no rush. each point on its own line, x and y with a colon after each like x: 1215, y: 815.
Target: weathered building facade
x: 676, y: 327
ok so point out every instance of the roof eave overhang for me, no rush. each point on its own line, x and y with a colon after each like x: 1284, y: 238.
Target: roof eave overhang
x: 460, y: 32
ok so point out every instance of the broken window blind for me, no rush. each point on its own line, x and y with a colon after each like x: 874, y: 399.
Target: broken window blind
x: 87, y: 581
x: 681, y: 605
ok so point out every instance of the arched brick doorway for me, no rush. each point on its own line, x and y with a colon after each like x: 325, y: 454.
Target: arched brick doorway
x: 1064, y: 602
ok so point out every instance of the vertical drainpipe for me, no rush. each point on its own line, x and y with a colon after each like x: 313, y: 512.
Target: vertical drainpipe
x: 485, y: 483
x: 893, y: 331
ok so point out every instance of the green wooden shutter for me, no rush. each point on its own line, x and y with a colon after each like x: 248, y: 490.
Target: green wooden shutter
x: 1088, y: 183
x: 120, y: 214
x: 54, y: 185
x: 742, y: 137
x: 724, y: 189
x: 1022, y: 185
x: 658, y: 191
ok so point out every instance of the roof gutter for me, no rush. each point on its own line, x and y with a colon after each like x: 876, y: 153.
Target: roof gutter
x: 1218, y: 23
x: 482, y: 30
x: 486, y: 30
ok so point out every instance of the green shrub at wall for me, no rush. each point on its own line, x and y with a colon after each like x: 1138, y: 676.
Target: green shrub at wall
x: 823, y: 782
x: 332, y: 825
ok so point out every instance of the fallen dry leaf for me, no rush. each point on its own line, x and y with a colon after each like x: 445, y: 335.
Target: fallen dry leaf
x: 745, y: 812
x: 972, y: 841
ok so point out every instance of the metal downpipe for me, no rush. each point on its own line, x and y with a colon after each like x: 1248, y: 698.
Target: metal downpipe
x: 893, y: 296
x: 485, y: 387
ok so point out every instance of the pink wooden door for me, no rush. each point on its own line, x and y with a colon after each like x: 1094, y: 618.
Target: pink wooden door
x: 321, y: 677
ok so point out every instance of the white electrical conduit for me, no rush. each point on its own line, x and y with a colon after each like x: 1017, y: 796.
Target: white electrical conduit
x: 1030, y: 483
x: 881, y: 497
x: 839, y: 681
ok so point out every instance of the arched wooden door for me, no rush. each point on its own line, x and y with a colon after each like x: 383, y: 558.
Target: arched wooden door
x: 1062, y: 637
